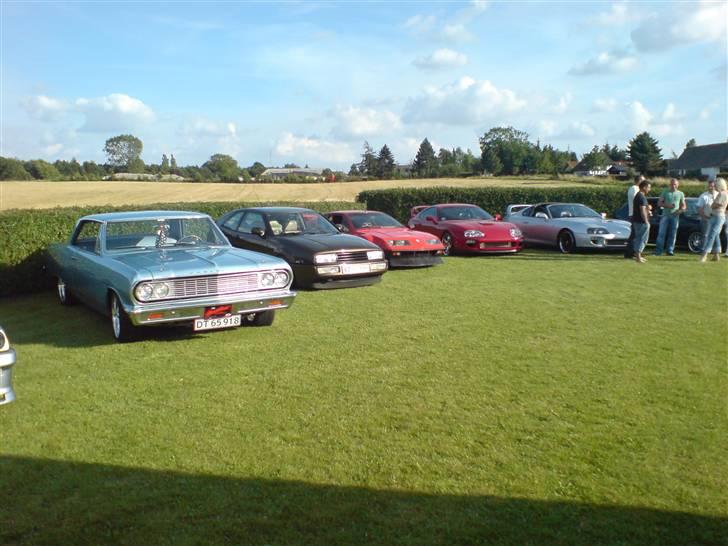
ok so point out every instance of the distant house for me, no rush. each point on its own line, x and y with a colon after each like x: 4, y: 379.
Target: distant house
x: 708, y: 160
x: 581, y: 169
x: 282, y: 174
x: 618, y: 168
x: 404, y: 169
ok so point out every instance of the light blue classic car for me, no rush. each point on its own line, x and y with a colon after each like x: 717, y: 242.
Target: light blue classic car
x: 7, y: 361
x: 167, y: 267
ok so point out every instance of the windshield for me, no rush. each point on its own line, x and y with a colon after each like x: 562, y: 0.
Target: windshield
x: 296, y: 223
x: 373, y: 220
x: 463, y: 213
x: 572, y: 211
x: 163, y: 233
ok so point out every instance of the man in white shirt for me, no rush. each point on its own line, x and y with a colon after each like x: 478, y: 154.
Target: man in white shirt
x: 631, y: 192
x: 704, y: 202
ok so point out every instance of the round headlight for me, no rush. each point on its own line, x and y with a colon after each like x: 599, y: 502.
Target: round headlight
x: 144, y: 291
x: 281, y: 278
x: 4, y: 342
x: 267, y: 279
x: 516, y: 233
x: 161, y: 290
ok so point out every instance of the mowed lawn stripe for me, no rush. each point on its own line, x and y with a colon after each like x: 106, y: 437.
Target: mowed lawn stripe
x: 581, y: 379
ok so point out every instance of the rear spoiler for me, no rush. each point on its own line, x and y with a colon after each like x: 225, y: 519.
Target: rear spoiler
x: 414, y: 211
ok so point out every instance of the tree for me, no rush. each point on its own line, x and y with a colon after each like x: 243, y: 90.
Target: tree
x: 595, y: 159
x: 223, y: 167
x: 13, y: 169
x: 644, y: 153
x: 368, y: 164
x: 164, y: 168
x: 491, y: 162
x: 510, y: 145
x: 691, y: 143
x: 614, y: 152
x: 256, y: 169
x: 42, y: 170
x: 385, y: 163
x: 354, y: 169
x: 173, y: 165
x: 124, y: 151
x: 425, y: 164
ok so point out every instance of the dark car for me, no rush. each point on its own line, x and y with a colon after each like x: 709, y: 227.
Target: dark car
x: 688, y: 233
x: 321, y: 256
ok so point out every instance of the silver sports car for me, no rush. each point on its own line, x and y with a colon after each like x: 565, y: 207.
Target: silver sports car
x: 569, y: 226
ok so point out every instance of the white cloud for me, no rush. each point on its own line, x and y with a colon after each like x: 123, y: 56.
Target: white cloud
x: 452, y: 29
x: 455, y: 32
x: 313, y: 150
x: 641, y: 117
x: 617, y: 15
x: 605, y: 105
x: 613, y: 62
x: 115, y: 112
x: 663, y: 126
x: 201, y: 132
x: 574, y: 130
x: 441, y: 59
x: 420, y: 23
x: 547, y: 127
x: 579, y: 129
x: 686, y: 23
x: 52, y: 149
x: 563, y: 104
x: 706, y: 112
x: 44, y: 108
x: 353, y: 122
x: 464, y: 102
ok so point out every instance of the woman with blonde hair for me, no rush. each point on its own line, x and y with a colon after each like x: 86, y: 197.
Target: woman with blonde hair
x: 715, y: 224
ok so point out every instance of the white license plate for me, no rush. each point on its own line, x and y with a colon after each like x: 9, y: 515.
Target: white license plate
x: 353, y: 269
x: 215, y: 323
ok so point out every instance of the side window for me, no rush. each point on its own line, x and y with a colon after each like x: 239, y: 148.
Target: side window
x: 233, y: 220
x: 87, y: 236
x: 431, y: 211
x: 540, y: 208
x: 339, y: 222
x: 251, y: 220
x: 335, y: 219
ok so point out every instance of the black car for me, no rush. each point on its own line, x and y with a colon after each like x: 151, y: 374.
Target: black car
x: 688, y: 233
x: 321, y: 256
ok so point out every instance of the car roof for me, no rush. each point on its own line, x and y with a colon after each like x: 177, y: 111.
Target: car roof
x: 356, y: 211
x: 277, y: 209
x: 143, y: 215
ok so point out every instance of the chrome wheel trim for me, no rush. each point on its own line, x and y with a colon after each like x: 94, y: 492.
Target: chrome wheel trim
x: 695, y: 242
x: 62, y: 290
x: 566, y: 242
x: 447, y: 243
x: 115, y: 318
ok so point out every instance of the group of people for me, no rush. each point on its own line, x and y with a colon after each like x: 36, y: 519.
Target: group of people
x: 712, y: 206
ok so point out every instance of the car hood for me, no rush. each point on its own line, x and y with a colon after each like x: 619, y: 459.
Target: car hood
x: 312, y: 244
x: 173, y: 263
x: 396, y: 233
x: 611, y: 225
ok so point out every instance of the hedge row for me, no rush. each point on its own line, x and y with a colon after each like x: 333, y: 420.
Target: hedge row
x: 398, y: 202
x: 26, y: 234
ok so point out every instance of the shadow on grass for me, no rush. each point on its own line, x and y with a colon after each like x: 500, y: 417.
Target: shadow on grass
x: 55, y: 502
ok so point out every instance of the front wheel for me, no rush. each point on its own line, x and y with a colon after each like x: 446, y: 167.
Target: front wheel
x: 262, y: 318
x: 695, y: 242
x: 447, y: 243
x: 566, y: 242
x: 121, y: 326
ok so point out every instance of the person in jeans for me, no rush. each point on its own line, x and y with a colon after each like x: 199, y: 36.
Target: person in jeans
x: 672, y: 203
x: 641, y: 221
x: 704, y: 202
x: 715, y: 224
x: 631, y: 192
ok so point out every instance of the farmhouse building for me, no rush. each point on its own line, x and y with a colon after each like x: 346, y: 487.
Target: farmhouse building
x: 281, y: 174
x: 708, y: 160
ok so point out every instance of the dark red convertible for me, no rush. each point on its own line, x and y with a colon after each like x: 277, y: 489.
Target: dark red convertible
x: 467, y: 229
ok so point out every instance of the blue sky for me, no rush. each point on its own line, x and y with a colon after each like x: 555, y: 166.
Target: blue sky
x: 309, y: 82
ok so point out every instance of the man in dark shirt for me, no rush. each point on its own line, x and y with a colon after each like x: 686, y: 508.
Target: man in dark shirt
x: 632, y: 192
x: 641, y: 221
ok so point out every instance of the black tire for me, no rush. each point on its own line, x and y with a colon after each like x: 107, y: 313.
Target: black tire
x: 121, y: 327
x: 566, y: 242
x: 262, y: 318
x: 64, y: 293
x: 447, y: 242
x: 695, y: 242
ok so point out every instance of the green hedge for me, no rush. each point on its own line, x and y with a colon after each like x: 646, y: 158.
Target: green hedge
x: 26, y: 234
x: 398, y: 202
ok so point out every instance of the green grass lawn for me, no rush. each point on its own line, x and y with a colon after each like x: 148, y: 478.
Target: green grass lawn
x: 532, y: 399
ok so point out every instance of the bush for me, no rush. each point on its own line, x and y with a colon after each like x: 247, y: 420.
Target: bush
x: 27, y: 234
x: 398, y: 202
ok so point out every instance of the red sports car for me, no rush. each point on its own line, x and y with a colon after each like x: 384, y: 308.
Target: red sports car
x: 402, y: 246
x: 467, y: 228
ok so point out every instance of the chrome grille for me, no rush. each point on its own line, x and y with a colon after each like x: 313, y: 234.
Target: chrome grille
x: 349, y: 256
x: 213, y: 285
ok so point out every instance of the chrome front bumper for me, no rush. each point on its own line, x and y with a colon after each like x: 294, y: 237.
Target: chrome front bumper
x: 7, y: 361
x: 165, y: 312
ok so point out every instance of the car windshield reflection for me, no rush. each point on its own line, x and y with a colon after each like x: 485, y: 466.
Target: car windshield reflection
x: 464, y: 213
x: 572, y: 211
x: 297, y: 223
x: 373, y: 220
x: 162, y: 233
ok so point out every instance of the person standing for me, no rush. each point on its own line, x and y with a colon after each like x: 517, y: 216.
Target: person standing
x: 631, y: 193
x: 641, y: 221
x: 672, y: 203
x: 715, y: 224
x: 704, y: 202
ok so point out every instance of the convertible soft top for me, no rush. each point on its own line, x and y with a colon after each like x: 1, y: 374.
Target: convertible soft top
x: 142, y: 215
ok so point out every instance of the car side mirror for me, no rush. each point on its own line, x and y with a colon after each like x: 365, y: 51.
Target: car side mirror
x: 342, y: 228
x: 541, y: 215
x: 604, y: 215
x: 260, y: 232
x: 498, y: 217
x: 431, y: 219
